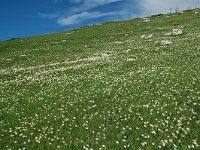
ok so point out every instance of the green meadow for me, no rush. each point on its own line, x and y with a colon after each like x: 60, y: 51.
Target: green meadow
x: 131, y: 84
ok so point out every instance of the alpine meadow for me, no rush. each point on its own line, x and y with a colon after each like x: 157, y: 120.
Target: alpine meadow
x: 131, y: 84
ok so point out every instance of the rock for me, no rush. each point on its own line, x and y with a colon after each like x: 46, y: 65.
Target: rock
x: 128, y: 50
x: 146, y: 20
x: 105, y: 55
x: 131, y: 59
x: 177, y: 31
x: 118, y: 42
x: 143, y: 36
x: 180, y: 12
x: 23, y: 55
x: 156, y: 42
x: 165, y: 42
x: 8, y: 59
x: 146, y: 36
x: 149, y: 36
x: 168, y: 34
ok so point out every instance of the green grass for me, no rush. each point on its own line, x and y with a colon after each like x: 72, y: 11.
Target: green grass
x: 103, y: 87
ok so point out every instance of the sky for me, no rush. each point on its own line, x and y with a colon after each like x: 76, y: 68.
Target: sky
x: 22, y: 18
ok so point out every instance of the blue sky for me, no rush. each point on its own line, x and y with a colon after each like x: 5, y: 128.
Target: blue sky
x: 21, y: 18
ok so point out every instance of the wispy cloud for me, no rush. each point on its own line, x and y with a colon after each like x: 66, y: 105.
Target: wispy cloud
x: 77, y: 18
x: 93, y: 3
x: 96, y: 3
x: 86, y: 5
x: 88, y: 10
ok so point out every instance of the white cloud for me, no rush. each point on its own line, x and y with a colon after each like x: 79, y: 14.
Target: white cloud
x: 149, y: 7
x: 77, y: 18
x: 85, y: 9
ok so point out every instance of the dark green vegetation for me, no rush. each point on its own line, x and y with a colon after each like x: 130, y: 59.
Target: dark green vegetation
x: 110, y: 86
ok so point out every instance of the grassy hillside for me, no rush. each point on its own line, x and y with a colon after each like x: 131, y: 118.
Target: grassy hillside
x: 120, y: 85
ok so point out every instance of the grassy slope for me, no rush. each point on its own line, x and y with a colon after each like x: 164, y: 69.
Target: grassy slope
x: 103, y: 87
